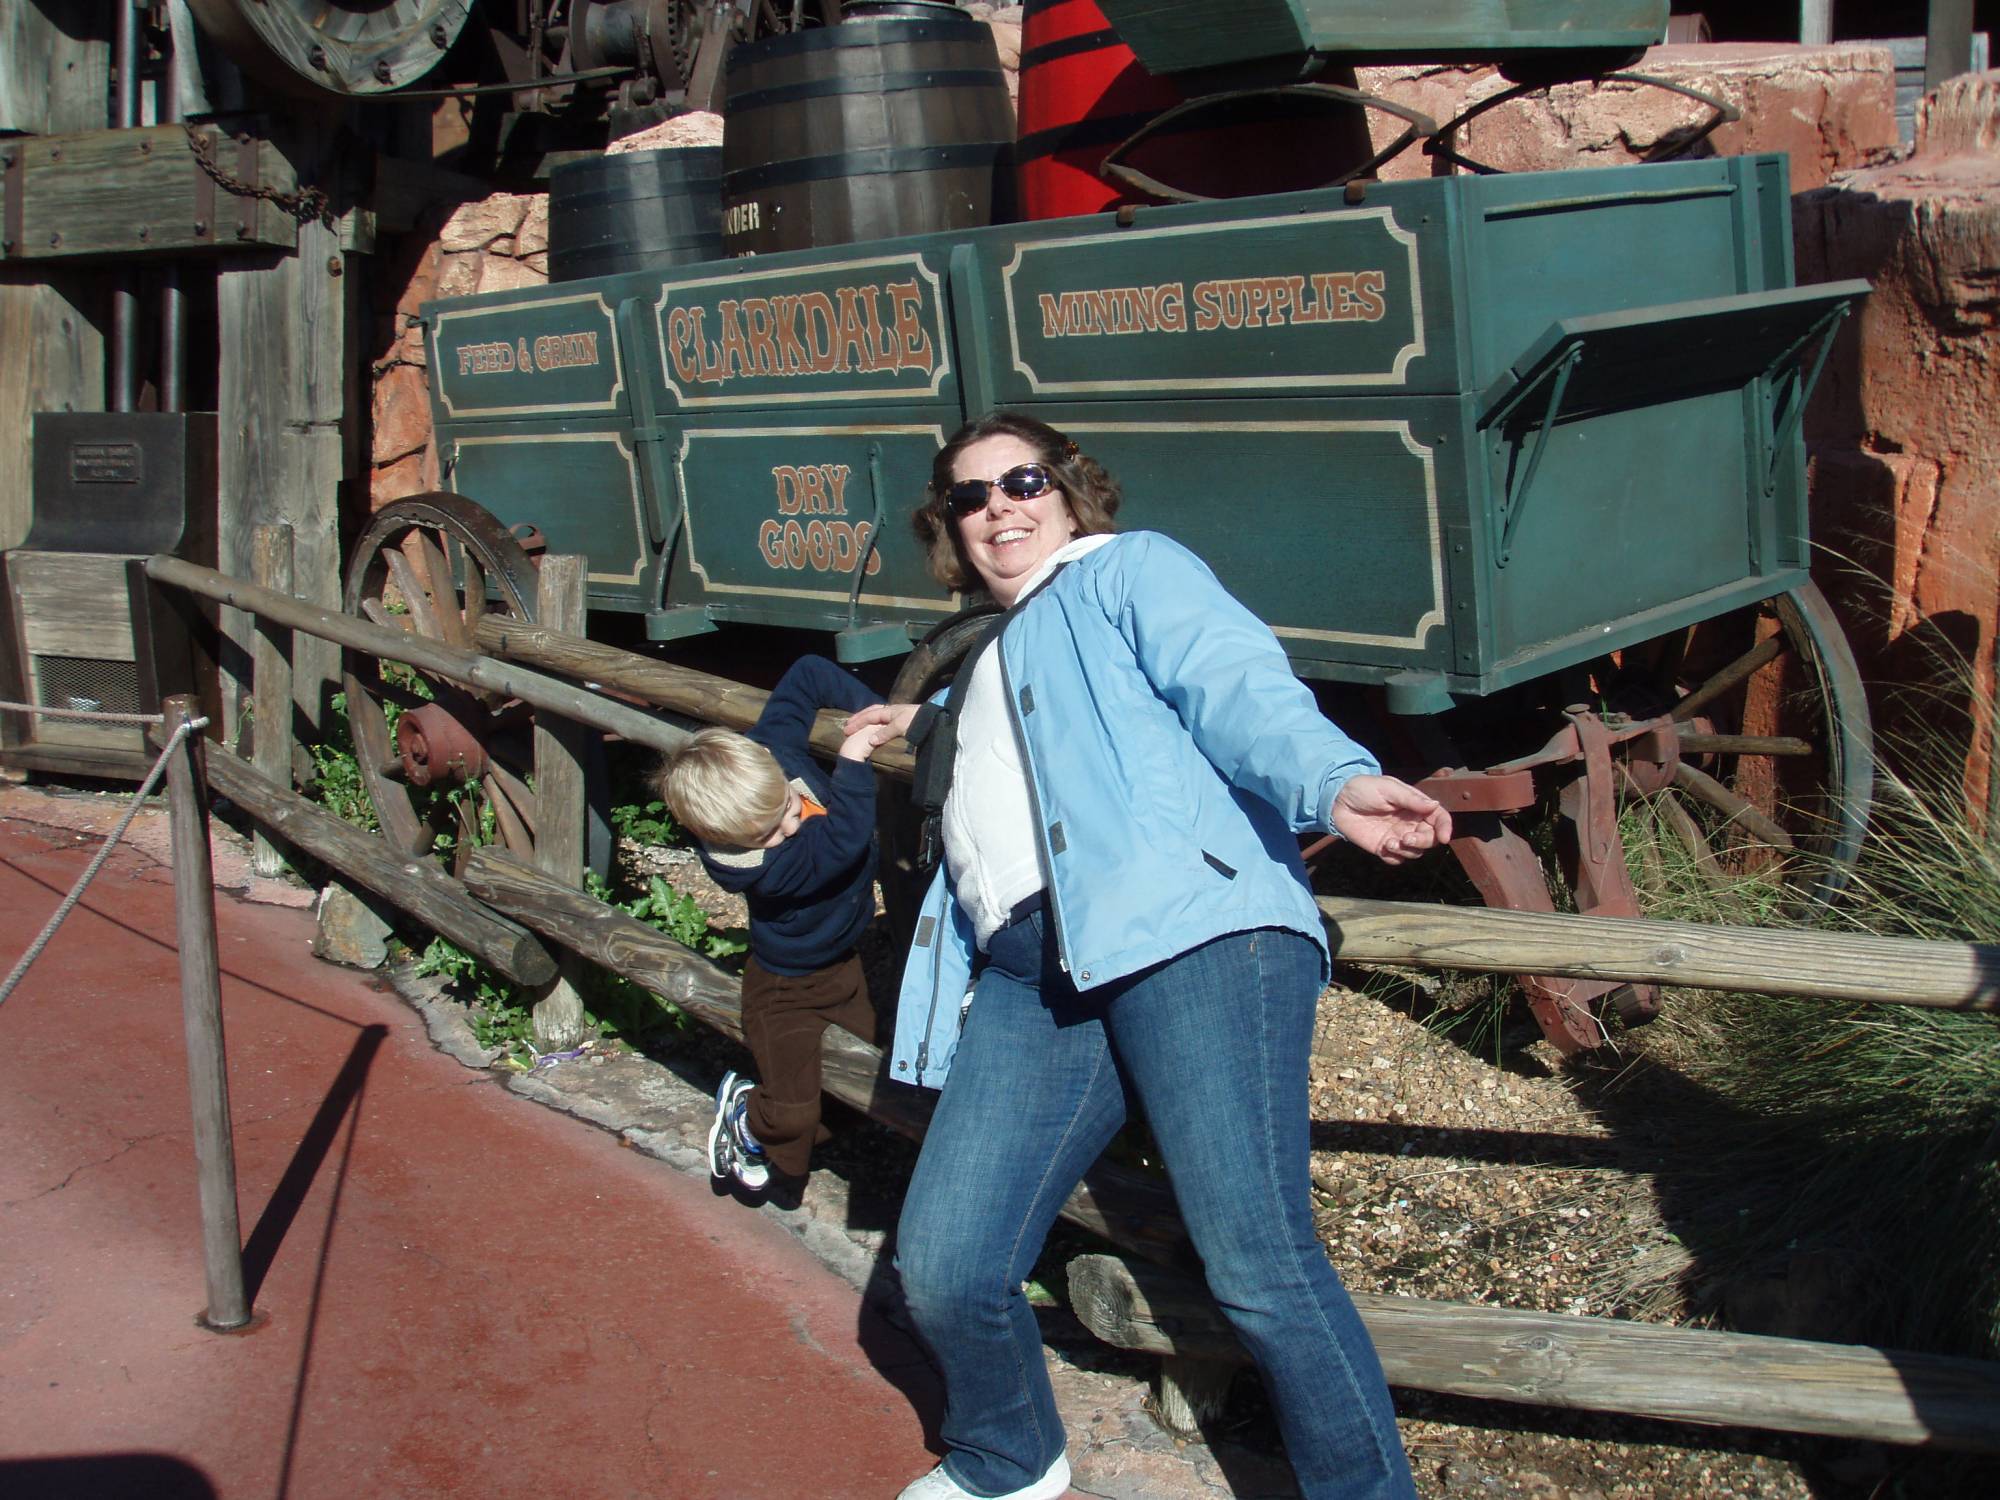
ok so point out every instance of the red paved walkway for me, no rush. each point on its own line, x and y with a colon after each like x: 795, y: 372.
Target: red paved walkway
x: 461, y: 1293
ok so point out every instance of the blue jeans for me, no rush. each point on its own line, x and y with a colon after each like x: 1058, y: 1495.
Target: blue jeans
x: 1212, y: 1048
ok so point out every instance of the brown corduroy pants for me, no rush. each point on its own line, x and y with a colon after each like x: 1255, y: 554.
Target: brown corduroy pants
x: 784, y: 1017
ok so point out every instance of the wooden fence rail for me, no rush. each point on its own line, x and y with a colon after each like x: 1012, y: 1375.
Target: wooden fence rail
x: 1832, y: 966
x: 1689, y: 1375
x: 1596, y: 1364
x: 1774, y: 961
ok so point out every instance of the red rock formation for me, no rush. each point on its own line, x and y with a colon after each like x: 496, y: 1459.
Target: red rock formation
x: 1904, y: 436
x: 1827, y: 108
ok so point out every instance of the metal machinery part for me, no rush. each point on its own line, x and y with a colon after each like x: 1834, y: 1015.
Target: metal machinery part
x: 1690, y: 724
x: 427, y: 564
x: 347, y: 47
x: 676, y: 44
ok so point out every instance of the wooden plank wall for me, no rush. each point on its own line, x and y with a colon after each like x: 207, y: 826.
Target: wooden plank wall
x: 290, y: 346
x: 290, y: 419
x: 55, y: 74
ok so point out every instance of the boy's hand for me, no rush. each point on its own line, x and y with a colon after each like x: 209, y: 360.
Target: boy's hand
x: 861, y: 743
x: 894, y: 716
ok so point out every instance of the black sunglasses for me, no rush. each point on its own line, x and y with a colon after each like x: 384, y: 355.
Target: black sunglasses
x: 1022, y: 482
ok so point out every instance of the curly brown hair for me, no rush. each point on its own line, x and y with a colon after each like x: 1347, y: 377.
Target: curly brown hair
x: 1091, y: 493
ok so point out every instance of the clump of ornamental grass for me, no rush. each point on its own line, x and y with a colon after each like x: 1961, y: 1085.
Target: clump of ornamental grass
x: 1833, y: 1170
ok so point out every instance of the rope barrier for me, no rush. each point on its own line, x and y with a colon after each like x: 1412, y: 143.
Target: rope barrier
x: 81, y: 713
x: 69, y: 902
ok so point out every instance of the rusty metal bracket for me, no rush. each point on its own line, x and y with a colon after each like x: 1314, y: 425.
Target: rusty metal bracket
x: 1504, y: 869
x: 13, y: 182
x: 1492, y: 791
x: 1603, y: 883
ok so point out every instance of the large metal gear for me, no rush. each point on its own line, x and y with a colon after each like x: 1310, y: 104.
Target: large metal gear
x: 343, y: 47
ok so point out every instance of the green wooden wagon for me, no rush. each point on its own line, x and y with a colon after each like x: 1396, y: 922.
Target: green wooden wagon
x: 1516, y: 457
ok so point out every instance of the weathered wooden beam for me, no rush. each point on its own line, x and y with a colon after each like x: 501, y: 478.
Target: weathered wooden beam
x: 271, y: 679
x: 468, y: 667
x: 698, y: 695
x: 560, y: 748
x: 1130, y: 1210
x: 143, y: 193
x: 413, y: 885
x: 291, y: 407
x: 1597, y: 1364
x: 51, y: 339
x: 1777, y: 961
x: 55, y: 67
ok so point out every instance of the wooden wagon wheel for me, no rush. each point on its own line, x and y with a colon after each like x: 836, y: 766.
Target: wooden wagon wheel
x: 437, y: 757
x: 1776, y: 747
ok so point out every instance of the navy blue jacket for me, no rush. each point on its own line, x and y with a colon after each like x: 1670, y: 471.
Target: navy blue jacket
x: 811, y: 896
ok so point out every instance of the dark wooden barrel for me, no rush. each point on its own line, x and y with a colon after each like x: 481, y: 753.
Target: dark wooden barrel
x: 1083, y: 92
x: 894, y: 122
x: 633, y: 211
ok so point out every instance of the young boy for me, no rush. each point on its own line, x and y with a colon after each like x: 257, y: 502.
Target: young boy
x: 799, y: 844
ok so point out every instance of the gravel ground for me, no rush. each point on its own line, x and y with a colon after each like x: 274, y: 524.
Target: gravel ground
x: 1441, y: 1173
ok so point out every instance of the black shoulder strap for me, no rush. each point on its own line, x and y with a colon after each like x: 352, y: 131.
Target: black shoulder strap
x: 937, y: 757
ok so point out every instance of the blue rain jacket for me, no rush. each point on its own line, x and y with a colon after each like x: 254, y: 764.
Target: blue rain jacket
x: 1173, y: 760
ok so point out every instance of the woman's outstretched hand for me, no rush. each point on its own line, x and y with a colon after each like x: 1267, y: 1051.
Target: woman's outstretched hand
x: 1390, y: 819
x: 896, y: 716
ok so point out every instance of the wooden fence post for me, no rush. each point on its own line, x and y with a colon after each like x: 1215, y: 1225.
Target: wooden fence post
x: 271, y: 680
x: 201, y: 1015
x: 561, y: 745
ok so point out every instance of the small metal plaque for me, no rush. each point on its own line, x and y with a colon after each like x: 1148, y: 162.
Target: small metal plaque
x: 107, y: 463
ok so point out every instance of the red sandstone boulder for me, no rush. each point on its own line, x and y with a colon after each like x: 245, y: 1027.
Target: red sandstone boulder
x: 1826, y: 108
x: 402, y: 413
x: 1906, y: 448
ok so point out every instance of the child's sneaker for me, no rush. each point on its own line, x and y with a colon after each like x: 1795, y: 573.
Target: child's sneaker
x: 731, y: 1152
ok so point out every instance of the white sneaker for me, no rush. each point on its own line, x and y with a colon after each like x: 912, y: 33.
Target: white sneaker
x: 938, y: 1485
x: 729, y: 1153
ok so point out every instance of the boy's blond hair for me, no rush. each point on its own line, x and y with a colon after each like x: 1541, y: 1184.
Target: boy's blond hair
x: 725, y: 788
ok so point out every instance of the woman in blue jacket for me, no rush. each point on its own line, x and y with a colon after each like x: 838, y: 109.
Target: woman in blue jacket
x: 1122, y: 924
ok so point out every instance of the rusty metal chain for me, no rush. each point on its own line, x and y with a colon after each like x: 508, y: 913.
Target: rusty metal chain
x: 308, y: 205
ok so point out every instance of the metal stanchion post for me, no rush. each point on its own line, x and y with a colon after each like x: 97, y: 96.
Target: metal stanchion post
x: 201, y: 1011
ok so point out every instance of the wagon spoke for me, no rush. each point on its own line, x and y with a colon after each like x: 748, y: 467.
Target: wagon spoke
x: 475, y: 595
x: 516, y: 790
x: 1767, y: 650
x: 418, y: 602
x: 433, y: 575
x: 1747, y: 744
x: 1684, y: 827
x: 377, y: 611
x: 1705, y: 788
x: 507, y: 820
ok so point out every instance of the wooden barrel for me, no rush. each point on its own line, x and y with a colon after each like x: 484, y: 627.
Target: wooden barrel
x: 633, y: 211
x: 894, y: 122
x: 1083, y: 92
